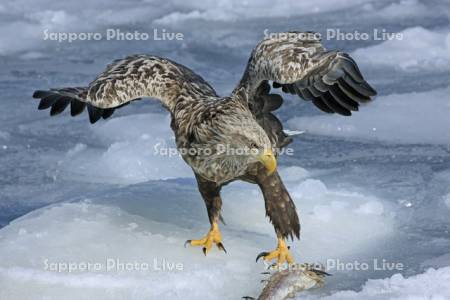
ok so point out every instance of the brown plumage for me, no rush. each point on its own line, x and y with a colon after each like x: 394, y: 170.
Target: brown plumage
x: 201, y: 120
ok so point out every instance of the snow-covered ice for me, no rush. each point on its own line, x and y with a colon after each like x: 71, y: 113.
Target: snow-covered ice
x: 433, y: 284
x: 134, y: 152
x: 371, y: 188
x: 94, y: 231
x: 418, y: 50
x: 430, y: 126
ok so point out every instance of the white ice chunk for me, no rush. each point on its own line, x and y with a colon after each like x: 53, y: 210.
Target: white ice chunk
x: 420, y: 118
x: 235, y: 9
x: 138, y: 148
x: 433, y: 284
x: 74, y: 243
x: 328, y: 217
x: 293, y: 173
x: 419, y: 49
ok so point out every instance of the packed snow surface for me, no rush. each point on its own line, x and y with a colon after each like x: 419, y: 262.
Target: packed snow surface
x: 398, y: 126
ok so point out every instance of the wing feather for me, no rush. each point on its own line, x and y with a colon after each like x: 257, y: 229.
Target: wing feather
x: 318, y: 102
x: 300, y: 65
x: 76, y: 107
x: 60, y: 105
x: 123, y: 81
x: 47, y: 101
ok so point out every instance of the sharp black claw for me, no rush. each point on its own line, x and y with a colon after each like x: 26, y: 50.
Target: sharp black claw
x: 262, y: 254
x: 248, y: 298
x: 221, y: 247
x: 272, y: 265
x: 204, y: 251
x: 289, y: 247
x: 265, y: 273
x: 222, y: 220
x: 186, y: 243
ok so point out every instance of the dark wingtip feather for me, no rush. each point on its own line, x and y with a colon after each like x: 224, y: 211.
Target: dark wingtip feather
x: 107, y: 113
x: 362, y: 88
x: 352, y: 70
x: 44, y: 104
x: 369, y: 88
x: 47, y: 101
x: 59, y: 106
x: 95, y: 113
x: 76, y: 107
x: 41, y: 94
x: 322, y: 106
x: 59, y: 99
x: 352, y: 93
x: 343, y: 99
x: 334, y: 105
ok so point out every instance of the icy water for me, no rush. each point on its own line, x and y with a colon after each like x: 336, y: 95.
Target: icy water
x: 370, y: 189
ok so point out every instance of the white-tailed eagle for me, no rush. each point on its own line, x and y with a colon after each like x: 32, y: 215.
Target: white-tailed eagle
x: 210, y: 127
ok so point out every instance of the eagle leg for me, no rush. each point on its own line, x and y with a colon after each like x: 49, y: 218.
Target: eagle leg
x: 281, y: 254
x: 282, y: 213
x: 210, y: 192
x: 212, y: 237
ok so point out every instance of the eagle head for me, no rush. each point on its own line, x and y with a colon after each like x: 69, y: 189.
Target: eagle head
x: 242, y: 142
x: 252, y: 138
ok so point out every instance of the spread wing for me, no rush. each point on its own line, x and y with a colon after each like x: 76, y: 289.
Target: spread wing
x: 126, y: 80
x: 299, y: 64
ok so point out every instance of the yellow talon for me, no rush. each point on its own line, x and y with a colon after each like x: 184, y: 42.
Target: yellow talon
x: 281, y: 254
x: 213, y: 236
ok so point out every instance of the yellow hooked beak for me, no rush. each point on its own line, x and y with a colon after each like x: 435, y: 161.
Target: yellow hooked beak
x: 268, y: 160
